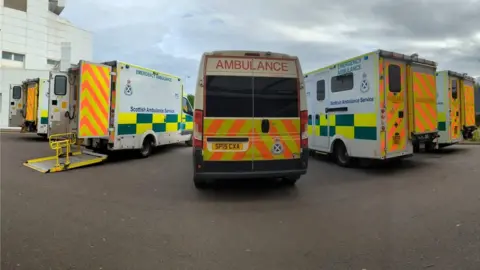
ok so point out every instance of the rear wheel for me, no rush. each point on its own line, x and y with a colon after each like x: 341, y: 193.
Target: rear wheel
x: 290, y: 181
x: 200, y: 183
x: 147, y: 147
x: 429, y: 147
x: 189, y: 142
x: 341, y: 155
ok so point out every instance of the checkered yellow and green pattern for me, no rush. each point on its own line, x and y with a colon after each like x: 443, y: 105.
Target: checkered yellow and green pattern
x: 442, y: 121
x: 359, y: 126
x: 131, y: 123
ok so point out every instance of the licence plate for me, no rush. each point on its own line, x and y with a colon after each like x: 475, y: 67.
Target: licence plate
x: 228, y: 146
x: 396, y: 139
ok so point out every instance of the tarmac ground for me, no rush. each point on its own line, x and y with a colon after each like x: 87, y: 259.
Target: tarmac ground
x: 420, y: 213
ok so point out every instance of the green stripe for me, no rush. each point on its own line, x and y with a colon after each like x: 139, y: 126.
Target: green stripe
x: 188, y: 118
x: 144, y: 118
x: 162, y: 127
x: 323, y: 131
x: 126, y: 129
x: 345, y: 120
x: 44, y: 120
x: 442, y: 126
x: 171, y: 118
x: 366, y: 133
x: 332, y: 131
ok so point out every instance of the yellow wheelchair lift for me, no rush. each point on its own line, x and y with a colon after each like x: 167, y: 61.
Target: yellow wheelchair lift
x: 65, y: 158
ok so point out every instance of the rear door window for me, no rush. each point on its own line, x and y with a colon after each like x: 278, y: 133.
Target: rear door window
x: 394, y: 79
x: 454, y: 89
x: 275, y: 97
x: 17, y: 92
x: 229, y: 96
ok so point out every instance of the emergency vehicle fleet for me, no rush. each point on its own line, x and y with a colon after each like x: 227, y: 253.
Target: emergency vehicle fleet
x: 35, y: 106
x: 456, y: 107
x: 379, y: 105
x: 250, y: 117
x: 113, y: 106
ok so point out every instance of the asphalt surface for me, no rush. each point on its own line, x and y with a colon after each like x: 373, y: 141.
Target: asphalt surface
x: 422, y: 213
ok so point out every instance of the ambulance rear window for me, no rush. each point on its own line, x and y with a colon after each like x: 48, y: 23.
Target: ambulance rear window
x: 16, y: 92
x: 229, y: 96
x: 60, y: 85
x: 394, y: 79
x: 275, y: 97
x: 454, y: 89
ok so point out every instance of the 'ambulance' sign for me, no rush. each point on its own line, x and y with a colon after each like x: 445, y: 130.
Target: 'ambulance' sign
x: 248, y: 66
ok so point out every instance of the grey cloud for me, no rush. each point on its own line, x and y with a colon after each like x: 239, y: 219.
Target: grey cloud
x: 172, y: 39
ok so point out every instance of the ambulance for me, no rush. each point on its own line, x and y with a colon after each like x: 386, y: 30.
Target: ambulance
x: 250, y: 118
x: 35, y: 106
x: 456, y: 107
x: 380, y: 105
x: 112, y: 106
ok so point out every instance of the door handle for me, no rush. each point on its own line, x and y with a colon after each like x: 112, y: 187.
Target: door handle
x: 400, y: 114
x: 265, y: 126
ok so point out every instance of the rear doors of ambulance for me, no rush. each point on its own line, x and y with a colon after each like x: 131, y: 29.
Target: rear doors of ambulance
x: 424, y: 97
x: 395, y: 74
x: 251, y: 114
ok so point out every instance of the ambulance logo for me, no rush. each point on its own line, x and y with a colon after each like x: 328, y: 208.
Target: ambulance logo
x: 128, y: 88
x: 277, y: 147
x: 365, y: 85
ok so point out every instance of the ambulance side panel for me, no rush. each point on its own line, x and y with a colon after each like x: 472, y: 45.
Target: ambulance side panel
x: 443, y: 106
x: 354, y: 108
x: 42, y: 120
x: 147, y: 103
x: 468, y: 104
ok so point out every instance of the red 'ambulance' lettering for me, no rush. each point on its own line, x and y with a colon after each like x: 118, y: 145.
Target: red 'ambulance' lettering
x: 261, y: 65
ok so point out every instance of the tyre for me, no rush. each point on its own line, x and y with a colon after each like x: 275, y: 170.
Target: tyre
x: 341, y: 155
x: 147, y: 147
x: 200, y: 183
x: 416, y: 147
x: 189, y: 142
x: 430, y: 147
x: 290, y: 181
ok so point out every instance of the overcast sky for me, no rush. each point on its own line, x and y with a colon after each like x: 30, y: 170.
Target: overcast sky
x: 170, y: 36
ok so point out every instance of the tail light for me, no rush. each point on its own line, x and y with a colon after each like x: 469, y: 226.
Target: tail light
x: 198, y: 129
x: 304, y: 128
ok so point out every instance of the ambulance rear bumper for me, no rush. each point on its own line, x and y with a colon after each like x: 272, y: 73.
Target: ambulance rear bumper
x: 248, y: 169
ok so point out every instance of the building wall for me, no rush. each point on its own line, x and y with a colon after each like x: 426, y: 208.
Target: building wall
x: 31, y: 44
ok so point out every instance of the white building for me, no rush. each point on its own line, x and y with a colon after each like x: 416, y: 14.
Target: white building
x: 31, y: 33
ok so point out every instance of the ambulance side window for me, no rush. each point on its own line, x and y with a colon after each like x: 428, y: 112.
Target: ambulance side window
x: 394, y: 79
x: 342, y: 83
x: 454, y: 89
x: 60, y: 87
x: 321, y: 90
x: 17, y: 92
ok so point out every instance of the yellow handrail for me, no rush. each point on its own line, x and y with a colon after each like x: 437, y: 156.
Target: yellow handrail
x: 59, y: 141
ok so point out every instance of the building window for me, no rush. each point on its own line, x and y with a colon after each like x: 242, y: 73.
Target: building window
x: 342, y: 82
x: 13, y: 56
x: 53, y: 62
x: 20, y: 5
